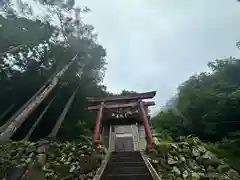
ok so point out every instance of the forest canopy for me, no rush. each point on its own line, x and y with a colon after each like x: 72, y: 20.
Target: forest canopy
x: 207, y: 106
x: 33, y: 49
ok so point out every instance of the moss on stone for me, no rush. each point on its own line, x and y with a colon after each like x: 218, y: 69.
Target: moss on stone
x: 188, y: 159
x: 50, y: 160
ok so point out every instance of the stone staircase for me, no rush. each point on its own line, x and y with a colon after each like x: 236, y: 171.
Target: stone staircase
x: 126, y: 166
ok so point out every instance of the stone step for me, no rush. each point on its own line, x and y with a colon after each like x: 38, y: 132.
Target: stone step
x: 126, y: 170
x: 127, y: 177
x: 117, y: 159
x: 126, y: 166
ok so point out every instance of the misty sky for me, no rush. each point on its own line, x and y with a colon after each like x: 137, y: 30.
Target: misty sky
x: 157, y: 44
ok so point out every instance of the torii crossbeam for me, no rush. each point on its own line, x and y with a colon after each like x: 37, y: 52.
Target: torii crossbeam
x: 115, y: 103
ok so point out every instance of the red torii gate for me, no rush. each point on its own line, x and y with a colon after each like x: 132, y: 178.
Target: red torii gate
x: 120, y: 102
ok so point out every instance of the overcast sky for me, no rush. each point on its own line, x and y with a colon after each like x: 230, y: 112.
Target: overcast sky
x: 157, y: 44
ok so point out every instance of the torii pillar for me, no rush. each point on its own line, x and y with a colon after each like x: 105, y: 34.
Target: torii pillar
x: 118, y: 102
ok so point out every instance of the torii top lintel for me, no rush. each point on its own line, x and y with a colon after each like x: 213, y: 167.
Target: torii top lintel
x: 125, y: 105
x: 136, y: 96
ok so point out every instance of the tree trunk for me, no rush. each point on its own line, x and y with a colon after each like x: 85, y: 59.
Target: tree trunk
x: 17, y: 121
x: 4, y: 126
x: 3, y: 115
x: 7, y: 111
x: 59, y: 122
x: 38, y: 120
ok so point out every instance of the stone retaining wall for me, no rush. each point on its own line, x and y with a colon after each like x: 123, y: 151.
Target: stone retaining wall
x: 189, y: 159
x: 49, y: 160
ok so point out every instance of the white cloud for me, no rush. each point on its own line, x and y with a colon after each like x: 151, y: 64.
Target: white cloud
x: 157, y: 44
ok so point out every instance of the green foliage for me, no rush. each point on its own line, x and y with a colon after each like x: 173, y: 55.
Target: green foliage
x: 228, y: 150
x: 33, y: 49
x: 126, y: 92
x: 207, y: 105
